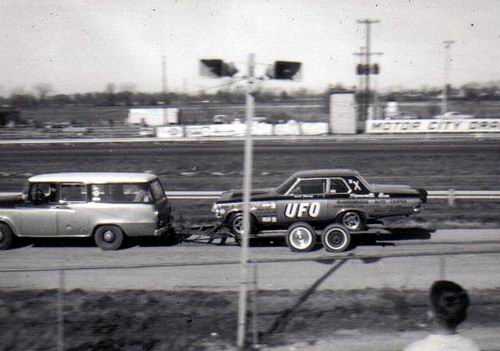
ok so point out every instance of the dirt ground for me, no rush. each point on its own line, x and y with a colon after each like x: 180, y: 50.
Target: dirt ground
x: 202, y: 320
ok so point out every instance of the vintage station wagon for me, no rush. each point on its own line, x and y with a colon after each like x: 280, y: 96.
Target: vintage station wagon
x: 107, y: 206
x: 337, y: 201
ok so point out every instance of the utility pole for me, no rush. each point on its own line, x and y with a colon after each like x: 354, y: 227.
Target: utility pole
x: 447, y: 64
x: 247, y: 185
x: 164, y: 86
x: 367, y: 55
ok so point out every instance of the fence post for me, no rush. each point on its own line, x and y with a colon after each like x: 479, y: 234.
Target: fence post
x: 442, y: 267
x: 60, y: 311
x: 451, y: 197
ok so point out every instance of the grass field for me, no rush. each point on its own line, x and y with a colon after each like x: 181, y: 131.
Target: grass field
x: 203, y: 113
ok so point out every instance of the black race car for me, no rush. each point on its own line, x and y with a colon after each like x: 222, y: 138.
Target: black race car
x: 333, y: 203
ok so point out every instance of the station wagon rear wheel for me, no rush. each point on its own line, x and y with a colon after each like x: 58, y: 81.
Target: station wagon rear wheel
x: 353, y: 221
x: 109, y: 237
x: 6, y: 237
x: 300, y: 237
x: 336, y: 238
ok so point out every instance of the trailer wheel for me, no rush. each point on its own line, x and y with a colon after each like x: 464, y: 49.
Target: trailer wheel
x: 352, y: 220
x: 6, y: 237
x: 336, y: 238
x: 109, y: 237
x: 300, y: 237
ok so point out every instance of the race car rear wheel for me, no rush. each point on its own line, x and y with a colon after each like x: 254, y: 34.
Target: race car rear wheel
x: 352, y: 220
x: 336, y: 238
x: 300, y: 237
x: 6, y: 237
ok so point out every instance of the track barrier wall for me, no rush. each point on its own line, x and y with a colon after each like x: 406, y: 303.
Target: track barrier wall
x: 237, y: 129
x: 407, y: 126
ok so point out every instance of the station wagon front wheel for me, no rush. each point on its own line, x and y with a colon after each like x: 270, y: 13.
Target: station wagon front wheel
x: 6, y: 237
x: 300, y: 237
x: 109, y: 237
x: 336, y: 238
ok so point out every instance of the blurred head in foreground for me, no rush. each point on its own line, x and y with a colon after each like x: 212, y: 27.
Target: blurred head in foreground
x: 449, y: 303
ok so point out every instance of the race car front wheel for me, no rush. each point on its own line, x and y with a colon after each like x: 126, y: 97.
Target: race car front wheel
x: 235, y: 223
x: 300, y: 237
x: 336, y: 238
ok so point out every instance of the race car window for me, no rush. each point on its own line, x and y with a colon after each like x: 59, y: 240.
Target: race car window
x: 338, y: 186
x: 309, y: 187
x: 357, y: 186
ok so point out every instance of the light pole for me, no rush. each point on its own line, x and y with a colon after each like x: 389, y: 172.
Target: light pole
x: 247, y: 185
x: 447, y: 64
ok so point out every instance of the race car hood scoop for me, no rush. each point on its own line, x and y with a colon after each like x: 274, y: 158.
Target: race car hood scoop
x: 393, y: 189
x: 256, y: 193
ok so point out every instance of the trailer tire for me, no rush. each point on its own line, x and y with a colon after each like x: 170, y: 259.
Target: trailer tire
x: 336, y: 238
x: 6, y: 237
x: 300, y: 237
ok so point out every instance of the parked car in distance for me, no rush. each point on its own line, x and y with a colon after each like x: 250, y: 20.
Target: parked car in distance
x: 106, y: 206
x: 331, y: 203
x: 453, y: 115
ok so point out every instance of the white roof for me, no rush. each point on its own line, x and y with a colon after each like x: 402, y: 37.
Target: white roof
x: 93, y: 177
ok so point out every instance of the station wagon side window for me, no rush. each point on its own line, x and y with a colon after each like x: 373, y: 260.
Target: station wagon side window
x: 74, y: 192
x: 121, y: 193
x: 309, y: 187
x: 43, y: 193
x: 338, y: 186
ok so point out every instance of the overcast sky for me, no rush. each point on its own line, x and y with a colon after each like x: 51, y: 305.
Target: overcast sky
x: 80, y: 46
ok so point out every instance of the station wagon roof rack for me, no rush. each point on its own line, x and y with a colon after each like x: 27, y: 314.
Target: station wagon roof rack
x: 93, y: 177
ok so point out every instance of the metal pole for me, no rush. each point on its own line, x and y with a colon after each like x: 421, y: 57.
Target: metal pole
x: 164, y: 86
x: 368, y: 73
x: 255, y: 332
x: 447, y: 60
x: 247, y: 184
x: 60, y: 311
x: 442, y: 267
x: 368, y: 53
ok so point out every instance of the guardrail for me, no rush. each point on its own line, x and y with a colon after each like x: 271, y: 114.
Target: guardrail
x: 328, y: 258
x: 449, y: 195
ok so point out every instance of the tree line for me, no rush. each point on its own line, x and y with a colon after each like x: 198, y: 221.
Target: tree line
x: 43, y: 95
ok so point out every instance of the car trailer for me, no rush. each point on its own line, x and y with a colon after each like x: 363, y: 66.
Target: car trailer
x: 299, y: 237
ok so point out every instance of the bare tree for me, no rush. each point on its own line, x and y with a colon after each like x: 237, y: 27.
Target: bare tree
x: 43, y: 90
